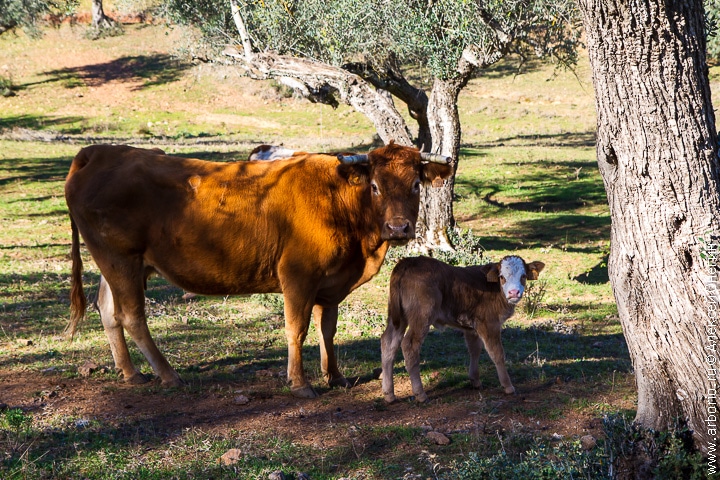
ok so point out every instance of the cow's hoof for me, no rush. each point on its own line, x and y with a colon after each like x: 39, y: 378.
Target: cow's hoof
x: 339, y: 382
x: 390, y: 398
x: 173, y: 382
x: 510, y: 390
x: 304, y: 392
x: 137, y: 379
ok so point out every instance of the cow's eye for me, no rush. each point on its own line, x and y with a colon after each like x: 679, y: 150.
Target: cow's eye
x: 416, y: 187
x: 374, y: 188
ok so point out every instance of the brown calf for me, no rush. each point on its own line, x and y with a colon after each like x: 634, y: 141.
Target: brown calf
x: 476, y: 300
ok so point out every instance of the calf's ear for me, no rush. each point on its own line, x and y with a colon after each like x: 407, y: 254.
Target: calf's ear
x: 534, y: 269
x: 493, y: 275
x: 434, y: 173
x: 355, y: 174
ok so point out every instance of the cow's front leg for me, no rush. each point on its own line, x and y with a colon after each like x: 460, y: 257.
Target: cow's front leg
x: 297, y: 321
x: 326, y: 326
x: 493, y: 345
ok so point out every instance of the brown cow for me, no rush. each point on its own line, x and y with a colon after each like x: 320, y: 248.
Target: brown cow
x: 313, y: 227
x: 476, y: 300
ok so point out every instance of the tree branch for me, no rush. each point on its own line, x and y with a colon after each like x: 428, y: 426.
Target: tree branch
x: 323, y: 83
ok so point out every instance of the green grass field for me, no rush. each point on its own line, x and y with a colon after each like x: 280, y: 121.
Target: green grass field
x: 527, y: 184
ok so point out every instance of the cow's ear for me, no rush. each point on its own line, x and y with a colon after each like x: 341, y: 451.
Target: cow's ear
x: 534, y: 269
x: 434, y: 173
x: 355, y: 174
x: 493, y: 275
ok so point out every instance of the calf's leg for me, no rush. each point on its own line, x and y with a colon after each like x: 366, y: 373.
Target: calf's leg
x: 411, y: 344
x: 494, y: 347
x: 474, y: 346
x: 389, y: 343
x: 326, y: 326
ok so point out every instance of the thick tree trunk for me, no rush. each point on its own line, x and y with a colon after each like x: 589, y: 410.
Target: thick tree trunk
x: 657, y: 153
x: 99, y: 19
x: 436, y: 208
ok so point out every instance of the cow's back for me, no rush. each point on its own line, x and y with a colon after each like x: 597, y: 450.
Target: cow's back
x: 214, y: 228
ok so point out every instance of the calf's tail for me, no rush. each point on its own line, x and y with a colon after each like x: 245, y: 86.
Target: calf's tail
x: 395, y: 310
x: 78, y: 301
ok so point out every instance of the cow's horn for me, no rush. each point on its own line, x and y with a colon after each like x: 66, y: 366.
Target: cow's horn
x: 435, y: 157
x: 353, y: 158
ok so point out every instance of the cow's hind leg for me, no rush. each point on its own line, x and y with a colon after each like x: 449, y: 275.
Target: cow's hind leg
x: 127, y: 281
x: 115, y: 335
x: 474, y: 346
x: 411, y: 343
x: 389, y: 343
x: 326, y: 326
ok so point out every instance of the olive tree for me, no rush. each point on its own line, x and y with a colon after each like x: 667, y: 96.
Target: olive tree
x: 657, y: 149
x: 28, y: 14
x: 359, y: 52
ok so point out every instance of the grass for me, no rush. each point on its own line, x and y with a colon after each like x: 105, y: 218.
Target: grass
x: 527, y: 184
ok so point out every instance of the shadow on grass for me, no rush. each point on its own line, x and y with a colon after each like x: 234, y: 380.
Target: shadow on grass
x: 151, y: 70
x: 34, y: 170
x: 40, y: 122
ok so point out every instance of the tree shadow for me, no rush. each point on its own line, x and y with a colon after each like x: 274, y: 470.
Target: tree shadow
x: 44, y: 169
x: 151, y: 70
x: 597, y: 275
x: 40, y: 122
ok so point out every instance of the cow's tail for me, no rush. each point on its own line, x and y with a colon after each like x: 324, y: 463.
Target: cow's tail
x: 78, y: 301
x: 395, y: 310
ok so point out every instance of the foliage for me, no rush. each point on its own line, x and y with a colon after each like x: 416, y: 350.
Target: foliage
x: 542, y: 462
x: 668, y: 454
x: 28, y: 14
x: 712, y: 17
x: 430, y: 34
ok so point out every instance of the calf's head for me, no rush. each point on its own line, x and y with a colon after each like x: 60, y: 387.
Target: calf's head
x: 391, y: 176
x: 512, y: 272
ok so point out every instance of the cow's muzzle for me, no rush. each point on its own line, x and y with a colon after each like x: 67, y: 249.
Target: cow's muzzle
x: 398, y: 231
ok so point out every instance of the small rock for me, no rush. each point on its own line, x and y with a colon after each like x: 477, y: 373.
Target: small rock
x: 25, y: 342
x: 231, y: 457
x: 302, y: 476
x: 49, y: 370
x: 276, y: 475
x: 241, y: 400
x: 88, y: 368
x: 438, y: 438
x: 557, y: 436
x: 82, y: 423
x: 588, y: 442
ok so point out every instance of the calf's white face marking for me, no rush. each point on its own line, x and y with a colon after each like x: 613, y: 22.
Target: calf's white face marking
x: 512, y: 278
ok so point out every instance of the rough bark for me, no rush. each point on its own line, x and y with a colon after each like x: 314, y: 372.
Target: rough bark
x: 99, y: 19
x: 657, y: 153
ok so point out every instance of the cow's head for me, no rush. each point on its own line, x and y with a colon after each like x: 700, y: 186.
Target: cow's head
x: 512, y: 272
x: 392, y: 176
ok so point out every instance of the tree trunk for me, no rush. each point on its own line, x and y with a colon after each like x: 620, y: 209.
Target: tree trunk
x: 436, y: 208
x: 99, y: 19
x: 657, y: 153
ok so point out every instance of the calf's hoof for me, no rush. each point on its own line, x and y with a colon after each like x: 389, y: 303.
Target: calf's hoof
x: 421, y: 398
x: 510, y: 390
x: 304, y: 392
x: 339, y: 382
x: 389, y: 398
